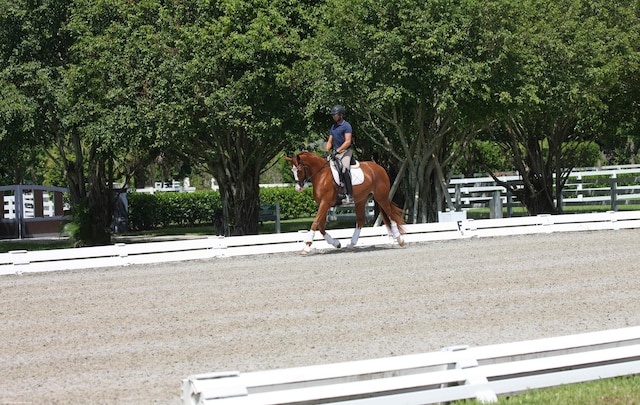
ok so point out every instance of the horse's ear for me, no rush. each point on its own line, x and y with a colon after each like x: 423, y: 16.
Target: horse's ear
x: 288, y: 158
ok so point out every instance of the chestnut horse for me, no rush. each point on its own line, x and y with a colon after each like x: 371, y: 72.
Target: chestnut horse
x: 307, y: 166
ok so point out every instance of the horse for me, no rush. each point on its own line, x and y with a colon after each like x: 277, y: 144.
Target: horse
x: 307, y: 166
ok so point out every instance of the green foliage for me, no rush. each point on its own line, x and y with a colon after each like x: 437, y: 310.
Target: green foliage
x: 230, y: 102
x: 143, y: 211
x: 188, y: 208
x: 149, y: 211
x: 582, y: 154
x: 293, y: 204
x: 229, y: 84
x: 483, y: 156
x: 81, y: 229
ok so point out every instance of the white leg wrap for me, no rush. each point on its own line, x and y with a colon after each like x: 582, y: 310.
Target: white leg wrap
x: 331, y: 241
x: 394, y: 229
x: 310, y: 236
x: 355, y: 236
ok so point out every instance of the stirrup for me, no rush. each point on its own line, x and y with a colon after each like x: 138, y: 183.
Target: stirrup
x: 347, y: 200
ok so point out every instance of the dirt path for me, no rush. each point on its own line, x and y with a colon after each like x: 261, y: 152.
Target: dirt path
x: 129, y: 335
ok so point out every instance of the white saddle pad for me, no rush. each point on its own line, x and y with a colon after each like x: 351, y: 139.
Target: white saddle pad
x: 357, y: 176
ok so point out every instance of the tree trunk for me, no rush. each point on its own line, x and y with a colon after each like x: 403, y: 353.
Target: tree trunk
x: 240, y: 195
x: 240, y: 204
x: 92, y: 201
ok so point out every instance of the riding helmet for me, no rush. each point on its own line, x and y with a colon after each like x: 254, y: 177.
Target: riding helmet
x: 337, y: 109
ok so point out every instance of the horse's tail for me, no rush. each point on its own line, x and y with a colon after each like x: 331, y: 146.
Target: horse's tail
x: 396, y: 215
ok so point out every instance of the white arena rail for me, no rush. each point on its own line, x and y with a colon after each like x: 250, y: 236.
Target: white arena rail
x: 452, y: 374
x: 120, y: 254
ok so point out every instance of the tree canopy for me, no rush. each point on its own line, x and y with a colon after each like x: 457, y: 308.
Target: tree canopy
x: 106, y: 88
x: 236, y: 110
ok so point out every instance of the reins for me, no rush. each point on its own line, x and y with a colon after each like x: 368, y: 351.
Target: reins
x: 304, y: 165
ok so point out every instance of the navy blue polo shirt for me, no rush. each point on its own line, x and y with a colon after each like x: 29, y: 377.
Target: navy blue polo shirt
x: 338, y: 131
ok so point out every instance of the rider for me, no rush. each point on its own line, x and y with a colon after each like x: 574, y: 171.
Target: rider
x: 340, y: 140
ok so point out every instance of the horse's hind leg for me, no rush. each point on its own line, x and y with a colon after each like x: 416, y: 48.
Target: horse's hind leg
x: 386, y: 208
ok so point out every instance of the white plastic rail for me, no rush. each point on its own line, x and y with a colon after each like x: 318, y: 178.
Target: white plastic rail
x: 451, y: 374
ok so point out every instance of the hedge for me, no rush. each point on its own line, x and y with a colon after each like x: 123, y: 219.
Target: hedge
x: 149, y: 211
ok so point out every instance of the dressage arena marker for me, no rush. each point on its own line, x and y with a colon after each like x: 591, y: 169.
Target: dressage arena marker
x: 455, y: 373
x: 120, y: 254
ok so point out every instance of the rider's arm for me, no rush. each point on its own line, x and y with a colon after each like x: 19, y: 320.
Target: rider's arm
x: 327, y: 147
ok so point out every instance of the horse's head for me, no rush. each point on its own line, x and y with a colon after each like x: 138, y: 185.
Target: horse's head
x: 299, y: 170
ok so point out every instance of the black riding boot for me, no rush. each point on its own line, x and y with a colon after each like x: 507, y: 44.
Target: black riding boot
x: 349, y: 188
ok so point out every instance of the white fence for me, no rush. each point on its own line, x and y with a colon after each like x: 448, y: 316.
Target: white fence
x: 32, y: 210
x: 168, y: 187
x: 20, y: 261
x: 455, y: 373
x: 609, y: 185
x: 48, y: 206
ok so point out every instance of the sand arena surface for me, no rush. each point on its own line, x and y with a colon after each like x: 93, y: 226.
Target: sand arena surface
x: 128, y: 335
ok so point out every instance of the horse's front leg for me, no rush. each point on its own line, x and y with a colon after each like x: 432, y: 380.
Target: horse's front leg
x: 320, y: 223
x: 360, y: 220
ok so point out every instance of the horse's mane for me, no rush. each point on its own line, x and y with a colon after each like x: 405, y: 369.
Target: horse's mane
x: 309, y: 153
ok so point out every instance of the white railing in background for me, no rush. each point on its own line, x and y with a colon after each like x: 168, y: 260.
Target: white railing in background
x: 48, y: 207
x: 608, y: 185
x: 455, y: 373
x: 168, y: 187
x: 343, y: 212
x: 22, y: 261
x: 32, y: 209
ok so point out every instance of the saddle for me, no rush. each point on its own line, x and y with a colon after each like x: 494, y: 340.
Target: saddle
x: 357, y: 176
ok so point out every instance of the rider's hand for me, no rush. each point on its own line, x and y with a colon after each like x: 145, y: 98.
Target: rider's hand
x: 324, y: 154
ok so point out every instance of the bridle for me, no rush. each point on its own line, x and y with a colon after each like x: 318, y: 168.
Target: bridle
x: 306, y: 178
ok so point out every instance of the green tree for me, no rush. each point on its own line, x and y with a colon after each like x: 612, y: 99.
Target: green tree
x: 84, y: 73
x: 621, y: 137
x: 33, y: 48
x: 236, y: 109
x: 559, y: 62
x: 111, y: 105
x: 412, y: 75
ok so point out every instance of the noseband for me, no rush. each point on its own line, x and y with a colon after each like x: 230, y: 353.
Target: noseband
x: 304, y: 172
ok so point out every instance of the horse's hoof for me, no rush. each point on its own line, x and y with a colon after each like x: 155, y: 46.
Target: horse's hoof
x: 401, y: 242
x: 338, y: 246
x: 304, y: 252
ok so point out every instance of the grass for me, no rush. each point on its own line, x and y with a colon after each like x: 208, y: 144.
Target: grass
x: 611, y: 391
x: 34, y: 244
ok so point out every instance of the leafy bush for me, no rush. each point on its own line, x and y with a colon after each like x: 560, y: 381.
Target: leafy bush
x: 149, y: 211
x: 292, y: 203
x: 143, y: 211
x: 81, y: 231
